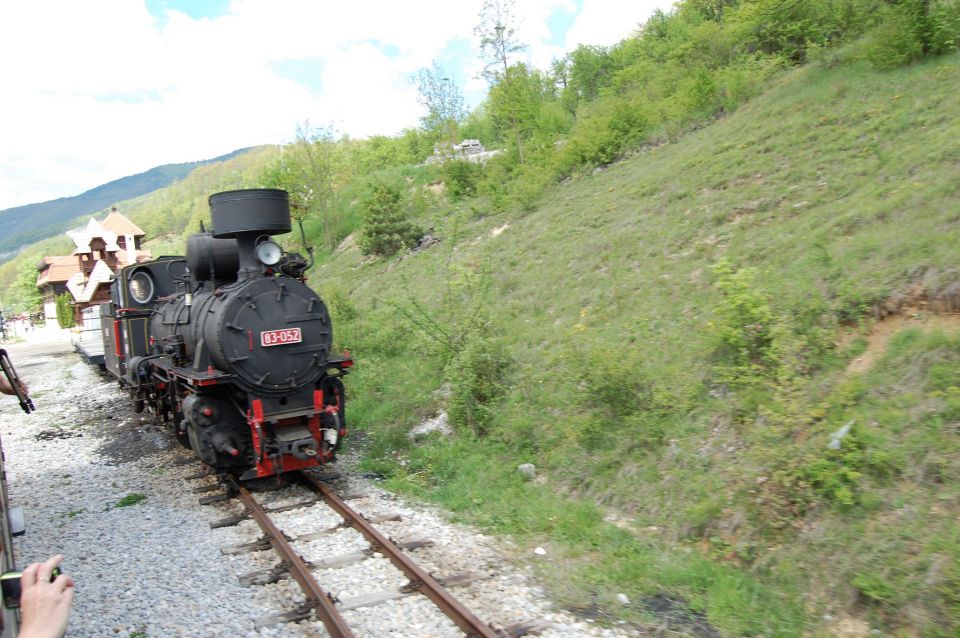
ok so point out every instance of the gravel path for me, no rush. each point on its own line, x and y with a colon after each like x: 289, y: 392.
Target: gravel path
x: 98, y: 484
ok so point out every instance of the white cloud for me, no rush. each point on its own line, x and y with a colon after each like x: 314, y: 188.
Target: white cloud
x: 606, y: 22
x: 101, y: 89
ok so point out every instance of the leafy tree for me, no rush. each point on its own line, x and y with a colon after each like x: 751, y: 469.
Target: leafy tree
x: 516, y: 99
x: 386, y: 229
x: 591, y: 69
x: 307, y: 170
x: 24, y: 291
x: 498, y: 37
x: 444, y: 102
x: 498, y: 42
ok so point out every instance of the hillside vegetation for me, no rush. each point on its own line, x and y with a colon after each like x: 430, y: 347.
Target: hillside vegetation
x: 706, y: 289
x: 668, y: 341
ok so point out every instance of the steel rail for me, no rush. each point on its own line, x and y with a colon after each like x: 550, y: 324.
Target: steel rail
x: 420, y: 580
x: 316, y: 597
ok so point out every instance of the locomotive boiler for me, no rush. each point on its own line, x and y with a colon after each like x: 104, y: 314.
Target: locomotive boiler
x: 229, y: 345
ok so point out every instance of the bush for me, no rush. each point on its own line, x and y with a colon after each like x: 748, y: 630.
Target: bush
x: 743, y: 328
x: 912, y: 29
x: 602, y: 135
x: 386, y: 230
x: 477, y: 379
x: 65, y: 317
x: 461, y: 178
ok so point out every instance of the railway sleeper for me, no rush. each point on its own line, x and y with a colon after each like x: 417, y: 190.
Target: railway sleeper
x: 303, y: 612
x: 239, y: 518
x: 526, y: 628
x: 377, y: 597
x: 281, y: 571
x: 263, y: 543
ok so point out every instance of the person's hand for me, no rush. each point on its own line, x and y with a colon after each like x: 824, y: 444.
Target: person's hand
x: 44, y: 606
x: 6, y: 388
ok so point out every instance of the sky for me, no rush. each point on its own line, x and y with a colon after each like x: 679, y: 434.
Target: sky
x: 95, y: 90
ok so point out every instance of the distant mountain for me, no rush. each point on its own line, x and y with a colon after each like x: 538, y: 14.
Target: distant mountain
x: 23, y: 225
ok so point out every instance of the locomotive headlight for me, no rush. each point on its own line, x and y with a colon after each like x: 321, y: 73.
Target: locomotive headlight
x: 141, y: 287
x: 269, y: 253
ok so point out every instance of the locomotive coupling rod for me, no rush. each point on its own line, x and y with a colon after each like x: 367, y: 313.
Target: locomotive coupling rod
x: 463, y: 617
x: 316, y: 596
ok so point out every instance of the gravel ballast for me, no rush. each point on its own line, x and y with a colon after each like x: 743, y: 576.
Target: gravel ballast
x: 100, y: 485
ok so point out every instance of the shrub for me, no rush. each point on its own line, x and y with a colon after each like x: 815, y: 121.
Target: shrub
x: 477, y: 379
x: 65, y: 318
x: 461, y: 178
x: 386, y: 230
x: 743, y: 328
x: 913, y: 29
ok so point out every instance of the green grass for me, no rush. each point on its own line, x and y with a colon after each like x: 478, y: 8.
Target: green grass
x: 839, y: 187
x: 131, y: 499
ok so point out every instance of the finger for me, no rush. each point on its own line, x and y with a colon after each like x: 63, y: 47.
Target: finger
x: 63, y: 582
x: 46, y: 569
x: 29, y: 577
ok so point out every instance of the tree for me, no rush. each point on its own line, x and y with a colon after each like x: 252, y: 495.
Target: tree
x: 498, y: 42
x: 515, y: 101
x: 307, y: 170
x: 386, y: 230
x: 25, y: 295
x: 444, y: 102
x: 497, y: 35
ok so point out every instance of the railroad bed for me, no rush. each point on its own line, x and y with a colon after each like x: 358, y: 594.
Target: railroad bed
x: 102, y: 486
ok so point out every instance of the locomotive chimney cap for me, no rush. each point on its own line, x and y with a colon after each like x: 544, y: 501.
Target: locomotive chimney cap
x: 261, y: 211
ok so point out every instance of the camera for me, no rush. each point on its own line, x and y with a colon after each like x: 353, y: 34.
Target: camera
x: 10, y: 584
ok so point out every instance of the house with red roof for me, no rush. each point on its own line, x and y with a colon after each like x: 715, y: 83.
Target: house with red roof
x: 102, y: 248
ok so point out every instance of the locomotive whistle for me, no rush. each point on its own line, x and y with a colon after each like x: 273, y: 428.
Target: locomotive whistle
x: 26, y: 403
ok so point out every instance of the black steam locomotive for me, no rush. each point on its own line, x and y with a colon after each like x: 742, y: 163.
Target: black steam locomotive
x: 229, y: 344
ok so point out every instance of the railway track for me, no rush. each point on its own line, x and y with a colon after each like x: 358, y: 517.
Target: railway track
x: 322, y: 604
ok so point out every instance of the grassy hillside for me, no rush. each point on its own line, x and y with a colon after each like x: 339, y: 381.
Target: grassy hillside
x: 668, y: 340
x: 25, y: 225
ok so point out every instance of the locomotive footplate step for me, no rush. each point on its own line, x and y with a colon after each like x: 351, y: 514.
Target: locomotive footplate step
x: 377, y: 597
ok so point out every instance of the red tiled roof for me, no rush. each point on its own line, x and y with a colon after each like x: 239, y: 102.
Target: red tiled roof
x: 58, y: 269
x: 121, y: 225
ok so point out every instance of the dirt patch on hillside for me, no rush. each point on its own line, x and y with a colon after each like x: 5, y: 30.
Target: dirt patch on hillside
x: 883, y: 331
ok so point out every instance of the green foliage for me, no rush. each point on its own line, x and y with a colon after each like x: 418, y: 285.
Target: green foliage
x: 912, y: 29
x: 478, y: 377
x: 461, y: 178
x: 744, y: 327
x: 25, y: 296
x: 65, y: 318
x: 444, y: 102
x: 386, y: 229
x: 603, y: 132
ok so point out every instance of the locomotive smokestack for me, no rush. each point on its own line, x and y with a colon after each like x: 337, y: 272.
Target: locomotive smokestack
x: 247, y: 215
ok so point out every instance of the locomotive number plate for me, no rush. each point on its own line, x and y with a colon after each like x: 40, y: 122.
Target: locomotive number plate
x: 280, y: 337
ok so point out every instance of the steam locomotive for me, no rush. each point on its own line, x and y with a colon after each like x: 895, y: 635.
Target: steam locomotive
x: 229, y: 345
